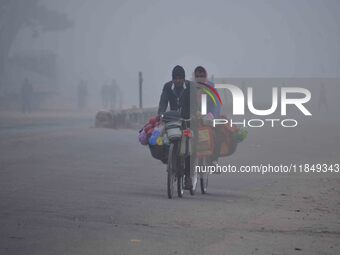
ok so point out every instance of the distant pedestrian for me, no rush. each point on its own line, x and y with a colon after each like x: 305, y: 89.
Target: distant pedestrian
x: 113, y: 94
x: 105, y: 95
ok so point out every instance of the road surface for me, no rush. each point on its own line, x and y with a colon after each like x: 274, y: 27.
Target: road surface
x: 69, y: 188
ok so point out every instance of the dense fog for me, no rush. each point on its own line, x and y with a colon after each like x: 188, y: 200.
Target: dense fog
x: 57, y: 45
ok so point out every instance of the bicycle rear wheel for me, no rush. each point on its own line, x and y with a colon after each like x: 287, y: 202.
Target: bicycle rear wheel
x: 204, y: 183
x: 203, y: 176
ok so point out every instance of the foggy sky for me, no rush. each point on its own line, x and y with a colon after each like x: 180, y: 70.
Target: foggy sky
x: 116, y: 39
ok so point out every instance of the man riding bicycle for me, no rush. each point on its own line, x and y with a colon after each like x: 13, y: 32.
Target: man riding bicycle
x: 176, y: 94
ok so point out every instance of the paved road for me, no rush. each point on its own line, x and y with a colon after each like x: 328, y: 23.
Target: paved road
x: 74, y: 189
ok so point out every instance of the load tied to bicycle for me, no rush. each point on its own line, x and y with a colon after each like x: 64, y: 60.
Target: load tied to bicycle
x: 182, y: 136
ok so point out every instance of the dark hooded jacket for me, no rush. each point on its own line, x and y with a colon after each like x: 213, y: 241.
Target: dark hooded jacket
x: 172, y: 96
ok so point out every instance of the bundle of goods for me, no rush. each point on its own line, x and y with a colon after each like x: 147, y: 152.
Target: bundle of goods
x: 205, y: 142
x: 152, y: 134
x: 228, y: 136
x: 232, y: 136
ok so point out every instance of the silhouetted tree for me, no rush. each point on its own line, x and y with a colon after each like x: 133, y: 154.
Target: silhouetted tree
x: 18, y: 14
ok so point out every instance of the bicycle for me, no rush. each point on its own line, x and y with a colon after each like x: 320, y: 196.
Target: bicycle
x: 179, y: 134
